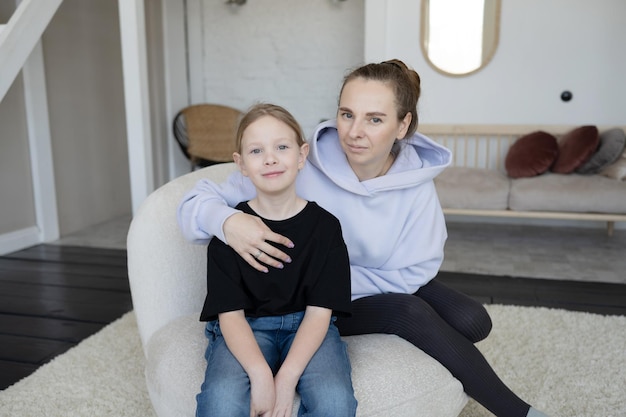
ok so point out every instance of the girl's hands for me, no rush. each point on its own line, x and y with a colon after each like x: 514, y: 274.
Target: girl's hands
x: 285, y: 395
x: 272, y: 397
x: 248, y: 236
x: 262, y: 395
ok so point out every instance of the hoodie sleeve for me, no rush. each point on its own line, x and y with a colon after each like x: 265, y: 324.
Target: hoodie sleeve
x: 204, y: 209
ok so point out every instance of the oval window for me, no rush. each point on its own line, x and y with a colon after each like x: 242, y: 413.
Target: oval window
x: 459, y: 37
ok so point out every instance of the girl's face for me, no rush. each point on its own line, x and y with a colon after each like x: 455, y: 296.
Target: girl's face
x: 270, y: 155
x: 367, y: 123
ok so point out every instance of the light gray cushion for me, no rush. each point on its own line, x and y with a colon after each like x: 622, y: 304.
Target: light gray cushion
x: 390, y: 376
x: 617, y: 170
x: 569, y: 193
x: 612, y: 143
x: 472, y: 188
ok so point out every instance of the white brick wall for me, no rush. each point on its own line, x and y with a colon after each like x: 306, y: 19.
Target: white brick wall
x: 293, y: 53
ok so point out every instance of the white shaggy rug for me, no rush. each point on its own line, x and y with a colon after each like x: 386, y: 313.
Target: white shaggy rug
x: 565, y: 363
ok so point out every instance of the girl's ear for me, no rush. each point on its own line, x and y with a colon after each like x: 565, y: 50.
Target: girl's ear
x: 404, y: 125
x: 238, y: 160
x: 304, y: 152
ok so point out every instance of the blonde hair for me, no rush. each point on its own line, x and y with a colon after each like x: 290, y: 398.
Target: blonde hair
x: 266, y: 109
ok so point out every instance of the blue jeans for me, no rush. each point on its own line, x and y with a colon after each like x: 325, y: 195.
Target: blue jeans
x: 325, y: 386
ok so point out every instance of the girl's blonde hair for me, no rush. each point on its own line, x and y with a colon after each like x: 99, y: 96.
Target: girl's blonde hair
x: 266, y: 109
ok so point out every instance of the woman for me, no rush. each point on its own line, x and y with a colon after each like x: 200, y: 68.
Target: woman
x: 375, y: 173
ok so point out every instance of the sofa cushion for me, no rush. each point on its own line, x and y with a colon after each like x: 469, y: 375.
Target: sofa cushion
x: 617, y: 170
x: 531, y: 155
x: 391, y: 377
x: 612, y: 143
x: 568, y: 193
x: 575, y: 148
x: 472, y: 188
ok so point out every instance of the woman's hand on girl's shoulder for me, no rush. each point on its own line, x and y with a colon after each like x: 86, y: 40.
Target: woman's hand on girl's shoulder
x: 249, y: 237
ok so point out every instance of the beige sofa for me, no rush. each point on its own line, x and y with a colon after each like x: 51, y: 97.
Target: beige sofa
x: 477, y: 184
x: 167, y: 278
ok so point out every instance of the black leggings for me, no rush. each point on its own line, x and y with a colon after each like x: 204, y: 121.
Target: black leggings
x: 445, y: 324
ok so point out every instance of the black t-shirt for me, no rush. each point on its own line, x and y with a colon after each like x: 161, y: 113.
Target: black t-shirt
x: 319, y: 274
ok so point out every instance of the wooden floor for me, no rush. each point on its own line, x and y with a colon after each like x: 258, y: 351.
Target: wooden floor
x: 52, y: 297
x: 592, y: 297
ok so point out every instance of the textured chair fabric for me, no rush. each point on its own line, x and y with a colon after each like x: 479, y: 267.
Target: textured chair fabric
x: 168, y: 284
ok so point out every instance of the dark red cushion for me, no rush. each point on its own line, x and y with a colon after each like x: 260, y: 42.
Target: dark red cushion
x: 575, y: 148
x: 531, y: 155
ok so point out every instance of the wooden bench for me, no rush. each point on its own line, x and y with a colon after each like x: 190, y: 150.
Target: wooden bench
x: 483, y: 149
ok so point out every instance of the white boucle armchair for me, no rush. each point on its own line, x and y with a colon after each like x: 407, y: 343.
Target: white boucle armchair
x: 391, y: 377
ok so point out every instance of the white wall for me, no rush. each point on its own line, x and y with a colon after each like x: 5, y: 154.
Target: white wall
x: 295, y: 53
x: 545, y: 48
x: 85, y: 98
x: 82, y: 52
x: 17, y: 211
x: 292, y: 53
x: 17, y: 205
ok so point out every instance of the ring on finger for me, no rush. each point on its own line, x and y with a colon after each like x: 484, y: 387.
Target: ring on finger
x: 258, y: 254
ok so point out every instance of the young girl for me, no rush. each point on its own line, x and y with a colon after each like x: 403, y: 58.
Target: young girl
x: 272, y: 334
x: 374, y: 171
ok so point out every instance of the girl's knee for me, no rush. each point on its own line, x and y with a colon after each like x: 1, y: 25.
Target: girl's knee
x: 223, y: 398
x: 209, y: 406
x: 331, y: 400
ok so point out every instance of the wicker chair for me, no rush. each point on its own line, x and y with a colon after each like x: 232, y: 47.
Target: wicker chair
x: 206, y: 133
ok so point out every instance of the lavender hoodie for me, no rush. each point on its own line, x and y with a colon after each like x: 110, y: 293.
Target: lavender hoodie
x: 393, y: 225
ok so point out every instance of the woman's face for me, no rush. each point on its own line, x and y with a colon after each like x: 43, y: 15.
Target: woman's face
x: 367, y: 123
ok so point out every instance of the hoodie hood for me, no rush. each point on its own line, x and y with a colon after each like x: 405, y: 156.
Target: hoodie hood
x: 420, y: 160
